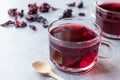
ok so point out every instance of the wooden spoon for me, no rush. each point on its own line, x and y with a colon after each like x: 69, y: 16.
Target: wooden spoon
x: 45, y: 69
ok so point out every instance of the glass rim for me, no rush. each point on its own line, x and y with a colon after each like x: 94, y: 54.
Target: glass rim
x: 97, y: 4
x: 80, y: 42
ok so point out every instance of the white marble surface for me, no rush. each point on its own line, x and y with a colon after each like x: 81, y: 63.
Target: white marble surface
x: 20, y: 47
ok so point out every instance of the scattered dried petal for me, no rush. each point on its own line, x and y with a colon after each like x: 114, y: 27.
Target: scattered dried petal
x: 44, y: 7
x: 22, y: 13
x: 53, y: 8
x: 33, y: 27
x: 81, y: 14
x: 32, y: 14
x: 67, y: 13
x: 45, y: 25
x: 33, y: 9
x: 31, y: 17
x: 41, y: 19
x: 19, y: 24
x: 80, y: 5
x: 13, y: 12
x: 71, y: 4
x: 8, y: 23
x: 32, y: 6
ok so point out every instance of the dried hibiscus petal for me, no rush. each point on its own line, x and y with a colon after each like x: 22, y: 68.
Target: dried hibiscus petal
x: 32, y: 8
x: 33, y: 11
x: 19, y: 24
x: 41, y: 19
x: 22, y: 13
x: 53, y: 8
x: 67, y: 13
x: 45, y: 25
x: 44, y: 7
x: 71, y: 4
x: 31, y: 17
x: 33, y: 27
x: 80, y: 5
x: 13, y: 12
x: 8, y: 23
x: 81, y: 14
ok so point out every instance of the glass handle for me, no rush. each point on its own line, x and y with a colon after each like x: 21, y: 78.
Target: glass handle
x: 105, y: 51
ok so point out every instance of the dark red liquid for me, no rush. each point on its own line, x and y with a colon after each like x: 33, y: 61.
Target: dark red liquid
x: 109, y: 18
x: 73, y: 57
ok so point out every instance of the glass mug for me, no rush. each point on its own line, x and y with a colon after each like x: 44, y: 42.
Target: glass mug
x: 74, y: 44
x: 108, y: 17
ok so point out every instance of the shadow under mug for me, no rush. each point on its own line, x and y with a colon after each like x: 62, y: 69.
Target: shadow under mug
x: 108, y: 17
x: 76, y: 56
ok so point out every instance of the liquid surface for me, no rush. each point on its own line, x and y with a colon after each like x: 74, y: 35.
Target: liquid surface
x: 111, y: 6
x: 73, y: 33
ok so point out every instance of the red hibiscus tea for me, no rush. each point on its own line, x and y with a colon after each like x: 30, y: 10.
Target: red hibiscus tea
x: 108, y: 18
x: 70, y: 49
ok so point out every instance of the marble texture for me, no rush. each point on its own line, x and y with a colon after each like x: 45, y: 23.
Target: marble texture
x: 20, y: 47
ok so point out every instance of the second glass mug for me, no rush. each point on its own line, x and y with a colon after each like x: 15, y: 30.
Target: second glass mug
x: 108, y: 17
x: 74, y: 44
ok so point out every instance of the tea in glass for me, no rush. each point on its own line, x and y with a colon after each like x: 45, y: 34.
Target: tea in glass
x: 108, y: 18
x: 74, y: 44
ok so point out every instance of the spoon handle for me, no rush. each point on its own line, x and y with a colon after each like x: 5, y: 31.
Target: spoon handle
x: 52, y: 74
